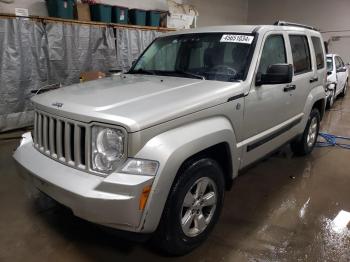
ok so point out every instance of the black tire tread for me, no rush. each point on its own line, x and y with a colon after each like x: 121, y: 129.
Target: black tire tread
x: 166, y: 237
x: 299, y: 146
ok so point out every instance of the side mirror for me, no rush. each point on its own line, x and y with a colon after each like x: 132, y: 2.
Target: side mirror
x: 276, y: 74
x: 329, y: 73
x: 341, y: 69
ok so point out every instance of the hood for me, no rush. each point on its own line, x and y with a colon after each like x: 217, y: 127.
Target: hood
x: 135, y: 101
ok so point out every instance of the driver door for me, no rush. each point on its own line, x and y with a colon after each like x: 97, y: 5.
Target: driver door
x: 266, y: 106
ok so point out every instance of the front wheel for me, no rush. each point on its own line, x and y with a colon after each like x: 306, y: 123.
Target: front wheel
x: 307, y: 142
x: 193, y: 207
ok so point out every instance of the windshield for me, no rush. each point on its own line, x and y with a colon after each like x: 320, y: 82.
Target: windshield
x: 217, y: 56
x: 329, y: 64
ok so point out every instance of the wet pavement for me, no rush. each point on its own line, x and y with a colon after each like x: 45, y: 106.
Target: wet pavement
x: 285, y: 208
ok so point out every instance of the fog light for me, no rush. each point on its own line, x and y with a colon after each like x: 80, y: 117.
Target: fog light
x: 140, y: 167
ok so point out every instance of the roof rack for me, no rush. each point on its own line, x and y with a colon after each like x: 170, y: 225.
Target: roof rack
x: 284, y: 23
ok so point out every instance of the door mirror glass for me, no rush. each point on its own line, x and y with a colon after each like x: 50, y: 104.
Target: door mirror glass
x: 275, y: 74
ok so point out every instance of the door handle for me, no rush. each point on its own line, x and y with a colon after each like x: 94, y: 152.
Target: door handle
x: 289, y: 88
x: 314, y: 79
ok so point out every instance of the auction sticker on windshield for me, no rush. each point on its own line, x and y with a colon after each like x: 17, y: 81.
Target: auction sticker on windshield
x: 244, y: 39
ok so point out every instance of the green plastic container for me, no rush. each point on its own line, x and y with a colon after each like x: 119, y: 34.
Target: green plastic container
x: 137, y: 17
x: 61, y: 8
x: 101, y: 13
x: 120, y: 15
x: 153, y: 18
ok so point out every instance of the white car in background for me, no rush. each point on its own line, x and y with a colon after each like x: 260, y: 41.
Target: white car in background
x: 337, y: 77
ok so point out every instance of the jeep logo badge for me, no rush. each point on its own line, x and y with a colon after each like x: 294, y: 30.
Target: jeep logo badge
x: 58, y: 105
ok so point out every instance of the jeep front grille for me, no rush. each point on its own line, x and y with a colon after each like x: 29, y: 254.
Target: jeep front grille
x: 62, y: 139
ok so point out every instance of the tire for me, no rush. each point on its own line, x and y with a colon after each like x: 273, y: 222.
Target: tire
x: 175, y: 238
x: 306, y: 143
x: 331, y: 100
x: 345, y: 89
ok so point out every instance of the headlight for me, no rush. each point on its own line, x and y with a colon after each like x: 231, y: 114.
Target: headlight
x: 107, y: 148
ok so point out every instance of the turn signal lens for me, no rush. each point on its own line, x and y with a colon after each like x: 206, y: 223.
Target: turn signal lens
x: 144, y: 196
x: 140, y: 167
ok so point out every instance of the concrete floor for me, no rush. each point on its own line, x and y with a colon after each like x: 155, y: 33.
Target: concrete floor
x: 283, y: 209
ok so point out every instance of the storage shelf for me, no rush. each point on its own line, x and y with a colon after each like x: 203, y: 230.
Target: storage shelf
x: 91, y: 23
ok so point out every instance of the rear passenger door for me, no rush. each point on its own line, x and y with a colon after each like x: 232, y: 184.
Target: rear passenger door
x: 305, y: 78
x: 320, y: 61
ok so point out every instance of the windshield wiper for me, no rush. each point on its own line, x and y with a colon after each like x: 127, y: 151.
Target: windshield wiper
x: 143, y: 71
x: 190, y: 74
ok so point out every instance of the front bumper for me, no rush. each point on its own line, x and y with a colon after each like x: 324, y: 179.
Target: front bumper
x: 111, y: 201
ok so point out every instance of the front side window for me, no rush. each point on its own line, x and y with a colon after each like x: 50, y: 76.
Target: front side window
x: 300, y: 53
x: 341, y: 61
x: 211, y: 56
x: 337, y: 63
x: 274, y: 52
x: 329, y: 64
x: 316, y: 41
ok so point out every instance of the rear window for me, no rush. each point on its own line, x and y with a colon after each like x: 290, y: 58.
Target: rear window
x: 316, y: 41
x: 301, y: 54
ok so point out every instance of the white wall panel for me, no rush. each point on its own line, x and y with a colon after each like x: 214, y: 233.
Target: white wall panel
x: 221, y: 12
x: 329, y: 16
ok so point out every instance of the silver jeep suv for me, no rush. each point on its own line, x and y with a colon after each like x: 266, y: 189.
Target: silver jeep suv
x: 154, y: 149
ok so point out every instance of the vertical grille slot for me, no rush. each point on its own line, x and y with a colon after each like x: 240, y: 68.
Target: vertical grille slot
x: 52, y: 136
x: 63, y: 140
x: 71, y: 142
x: 35, y: 138
x: 59, y: 146
x: 40, y: 131
x: 77, y: 151
x: 45, y: 133
x: 82, y: 145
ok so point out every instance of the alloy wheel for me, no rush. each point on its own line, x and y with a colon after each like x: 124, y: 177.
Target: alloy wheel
x: 198, y: 207
x: 312, y: 133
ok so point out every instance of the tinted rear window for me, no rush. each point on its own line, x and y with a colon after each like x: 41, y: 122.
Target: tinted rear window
x: 316, y: 41
x: 301, y: 54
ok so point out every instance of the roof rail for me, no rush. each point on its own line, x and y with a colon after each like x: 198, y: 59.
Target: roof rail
x: 284, y: 23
